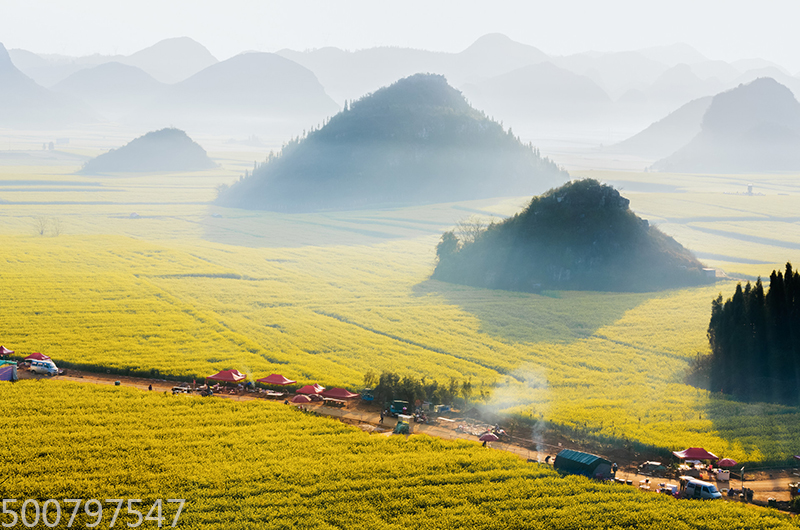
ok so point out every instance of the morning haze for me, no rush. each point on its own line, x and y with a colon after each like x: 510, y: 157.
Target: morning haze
x: 364, y: 264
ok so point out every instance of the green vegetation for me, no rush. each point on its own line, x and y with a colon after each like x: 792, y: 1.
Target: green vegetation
x: 415, y: 142
x: 163, y: 150
x: 579, y: 236
x: 266, y: 465
x: 755, y: 341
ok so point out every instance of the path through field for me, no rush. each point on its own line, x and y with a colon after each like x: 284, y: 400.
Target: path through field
x: 765, y: 485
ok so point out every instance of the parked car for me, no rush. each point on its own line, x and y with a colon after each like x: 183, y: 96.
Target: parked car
x: 44, y: 367
x: 691, y: 488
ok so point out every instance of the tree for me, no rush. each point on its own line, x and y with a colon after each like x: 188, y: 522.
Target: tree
x: 447, y: 246
x: 55, y: 226
x: 370, y: 378
x: 755, y: 343
x: 470, y: 229
x: 41, y: 223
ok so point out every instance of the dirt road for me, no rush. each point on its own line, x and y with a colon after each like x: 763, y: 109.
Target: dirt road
x: 765, y: 485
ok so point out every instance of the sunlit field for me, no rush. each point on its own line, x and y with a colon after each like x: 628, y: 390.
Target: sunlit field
x: 187, y: 288
x: 267, y: 465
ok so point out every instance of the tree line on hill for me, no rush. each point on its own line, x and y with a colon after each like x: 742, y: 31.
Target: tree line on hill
x: 755, y: 341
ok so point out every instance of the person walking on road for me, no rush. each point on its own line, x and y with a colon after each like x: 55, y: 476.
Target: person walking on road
x: 381, y: 420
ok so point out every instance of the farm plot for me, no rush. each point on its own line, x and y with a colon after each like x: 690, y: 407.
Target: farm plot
x: 240, y: 465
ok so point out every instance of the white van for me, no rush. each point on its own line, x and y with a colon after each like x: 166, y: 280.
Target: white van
x: 697, y: 489
x: 44, y: 367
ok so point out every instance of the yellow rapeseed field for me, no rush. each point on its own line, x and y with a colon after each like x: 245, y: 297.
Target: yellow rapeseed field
x: 186, y: 288
x: 267, y: 465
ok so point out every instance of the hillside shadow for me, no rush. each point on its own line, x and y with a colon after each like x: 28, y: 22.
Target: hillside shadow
x: 551, y: 316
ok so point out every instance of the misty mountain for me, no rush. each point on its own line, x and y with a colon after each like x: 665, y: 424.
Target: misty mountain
x: 492, y: 55
x: 668, y: 134
x: 778, y: 74
x: 580, y: 236
x: 755, y: 63
x: 541, y: 93
x: 615, y: 72
x: 751, y: 128
x: 678, y: 85
x: 49, y: 69
x: 720, y: 70
x: 23, y: 103
x: 245, y: 91
x: 673, y: 54
x: 350, y: 75
x: 415, y: 142
x: 172, y: 60
x: 164, y: 150
x: 113, y: 89
x: 169, y: 61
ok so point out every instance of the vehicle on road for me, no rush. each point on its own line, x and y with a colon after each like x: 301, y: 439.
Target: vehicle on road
x: 691, y: 488
x: 398, y: 407
x: 45, y: 367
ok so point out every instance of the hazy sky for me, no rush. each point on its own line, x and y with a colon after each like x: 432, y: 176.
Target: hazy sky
x: 720, y: 29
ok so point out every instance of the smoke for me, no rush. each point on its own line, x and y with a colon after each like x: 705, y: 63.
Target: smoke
x: 525, y: 393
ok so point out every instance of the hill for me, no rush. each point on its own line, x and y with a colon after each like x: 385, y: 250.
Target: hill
x: 415, y: 142
x: 580, y: 236
x: 667, y: 134
x: 540, y: 92
x: 751, y: 128
x: 351, y: 75
x: 172, y: 60
x: 23, y: 103
x: 164, y: 150
x: 113, y: 89
x: 246, y: 89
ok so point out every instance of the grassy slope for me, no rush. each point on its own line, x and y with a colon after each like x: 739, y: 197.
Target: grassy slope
x: 240, y: 465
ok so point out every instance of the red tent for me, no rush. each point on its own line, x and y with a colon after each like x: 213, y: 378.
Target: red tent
x: 227, y: 376
x: 5, y: 351
x: 37, y: 357
x: 311, y: 389
x: 301, y: 399
x: 695, y: 453
x: 339, y: 393
x: 276, y: 379
x: 726, y: 462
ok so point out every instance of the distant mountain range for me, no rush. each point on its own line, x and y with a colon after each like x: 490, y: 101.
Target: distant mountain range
x: 164, y: 150
x: 243, y: 92
x: 541, y: 92
x: 751, y: 128
x: 25, y: 104
x: 517, y: 84
x: 168, y: 61
x: 668, y: 134
x: 414, y: 142
x: 113, y: 89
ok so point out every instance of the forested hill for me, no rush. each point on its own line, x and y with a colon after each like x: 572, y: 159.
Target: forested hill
x: 580, y: 236
x: 164, y: 150
x: 417, y: 141
x: 755, y: 341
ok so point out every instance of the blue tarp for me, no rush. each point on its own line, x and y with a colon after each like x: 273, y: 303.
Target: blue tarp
x: 8, y: 372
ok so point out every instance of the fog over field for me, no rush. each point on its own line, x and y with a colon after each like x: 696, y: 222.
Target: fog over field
x: 570, y: 225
